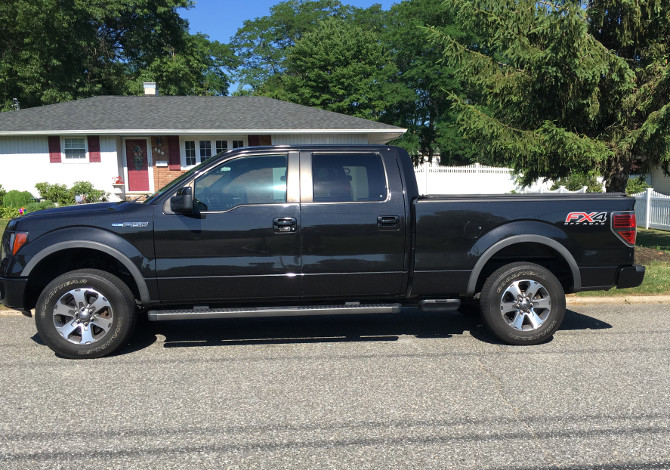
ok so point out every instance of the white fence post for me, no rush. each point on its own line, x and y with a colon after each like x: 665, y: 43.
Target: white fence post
x: 647, y: 196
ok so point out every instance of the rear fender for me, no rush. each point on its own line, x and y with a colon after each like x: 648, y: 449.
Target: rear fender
x: 521, y: 232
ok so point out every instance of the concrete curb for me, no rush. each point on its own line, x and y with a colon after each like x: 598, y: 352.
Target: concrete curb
x: 618, y: 300
x: 9, y: 313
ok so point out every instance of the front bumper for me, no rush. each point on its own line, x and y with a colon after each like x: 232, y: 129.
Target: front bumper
x: 12, y: 292
x: 630, y: 276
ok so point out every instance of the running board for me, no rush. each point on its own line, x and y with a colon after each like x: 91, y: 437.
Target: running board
x: 255, y: 312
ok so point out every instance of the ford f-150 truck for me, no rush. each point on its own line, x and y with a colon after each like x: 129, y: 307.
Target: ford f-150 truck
x: 309, y: 230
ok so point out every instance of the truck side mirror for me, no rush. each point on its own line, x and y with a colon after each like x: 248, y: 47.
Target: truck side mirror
x: 182, y: 203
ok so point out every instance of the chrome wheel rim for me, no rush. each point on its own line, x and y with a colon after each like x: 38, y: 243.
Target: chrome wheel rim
x: 525, y: 305
x: 83, y: 316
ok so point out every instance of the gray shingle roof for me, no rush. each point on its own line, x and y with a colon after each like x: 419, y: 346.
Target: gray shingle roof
x: 162, y: 114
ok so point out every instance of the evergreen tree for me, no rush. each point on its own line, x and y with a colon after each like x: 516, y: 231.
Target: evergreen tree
x: 425, y: 107
x: 566, y: 87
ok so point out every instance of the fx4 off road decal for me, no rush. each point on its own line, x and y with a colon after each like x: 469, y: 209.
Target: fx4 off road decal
x: 586, y: 218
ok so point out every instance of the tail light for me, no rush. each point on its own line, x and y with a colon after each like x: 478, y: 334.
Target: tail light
x: 624, y: 226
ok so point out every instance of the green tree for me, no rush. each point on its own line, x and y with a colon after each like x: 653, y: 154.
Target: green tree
x: 59, y: 50
x: 339, y: 67
x: 262, y: 44
x: 198, y: 69
x: 566, y: 87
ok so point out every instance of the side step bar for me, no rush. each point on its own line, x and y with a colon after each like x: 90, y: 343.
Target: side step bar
x: 254, y: 312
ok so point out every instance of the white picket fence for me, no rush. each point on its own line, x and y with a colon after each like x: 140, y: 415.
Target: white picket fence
x: 470, y: 179
x: 475, y: 179
x: 652, y: 209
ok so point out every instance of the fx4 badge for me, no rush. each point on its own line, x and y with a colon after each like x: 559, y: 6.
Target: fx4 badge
x: 586, y: 218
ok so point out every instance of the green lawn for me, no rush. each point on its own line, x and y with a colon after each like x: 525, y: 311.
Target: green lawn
x: 657, y: 239
x: 3, y: 224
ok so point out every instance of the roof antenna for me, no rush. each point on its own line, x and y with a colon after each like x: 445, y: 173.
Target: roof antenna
x: 15, y: 104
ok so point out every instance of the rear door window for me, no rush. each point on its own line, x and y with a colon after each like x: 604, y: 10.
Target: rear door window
x: 351, y: 177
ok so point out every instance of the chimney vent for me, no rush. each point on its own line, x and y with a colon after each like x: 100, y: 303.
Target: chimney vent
x: 150, y: 89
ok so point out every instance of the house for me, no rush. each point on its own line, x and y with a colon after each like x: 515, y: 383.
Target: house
x: 144, y: 142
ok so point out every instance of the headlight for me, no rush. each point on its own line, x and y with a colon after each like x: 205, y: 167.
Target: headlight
x: 13, y: 243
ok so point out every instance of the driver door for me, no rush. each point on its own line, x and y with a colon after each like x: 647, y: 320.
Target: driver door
x: 243, y: 242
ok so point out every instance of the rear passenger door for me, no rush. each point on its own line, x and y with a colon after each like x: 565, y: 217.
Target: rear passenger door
x: 353, y: 225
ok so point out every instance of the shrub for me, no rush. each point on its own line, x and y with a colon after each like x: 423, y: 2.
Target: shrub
x: 88, y: 191
x: 9, y: 212
x: 38, y: 206
x: 61, y: 195
x: 636, y: 185
x: 56, y: 193
x: 16, y: 199
x: 577, y: 181
x: 2, y: 195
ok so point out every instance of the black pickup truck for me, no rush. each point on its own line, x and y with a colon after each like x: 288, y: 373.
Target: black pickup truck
x: 309, y: 230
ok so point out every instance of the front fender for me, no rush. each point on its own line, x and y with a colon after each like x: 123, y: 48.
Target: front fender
x: 139, y: 265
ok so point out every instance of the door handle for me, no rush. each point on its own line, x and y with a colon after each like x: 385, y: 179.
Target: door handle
x: 284, y: 224
x: 388, y: 221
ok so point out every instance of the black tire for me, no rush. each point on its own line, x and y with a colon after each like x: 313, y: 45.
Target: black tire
x: 532, y: 316
x: 85, y: 314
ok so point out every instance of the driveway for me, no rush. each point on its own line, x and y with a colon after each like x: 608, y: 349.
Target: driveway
x: 414, y: 390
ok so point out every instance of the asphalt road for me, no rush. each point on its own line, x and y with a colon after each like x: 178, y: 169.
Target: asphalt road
x: 413, y: 390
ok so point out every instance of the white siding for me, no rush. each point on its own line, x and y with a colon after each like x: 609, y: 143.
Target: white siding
x: 659, y: 181
x: 310, y: 139
x: 24, y: 161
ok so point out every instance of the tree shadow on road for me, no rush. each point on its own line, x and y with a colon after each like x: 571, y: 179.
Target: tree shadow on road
x: 326, y: 329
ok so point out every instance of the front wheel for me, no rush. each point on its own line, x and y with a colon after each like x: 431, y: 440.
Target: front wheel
x: 522, y: 303
x: 85, y: 314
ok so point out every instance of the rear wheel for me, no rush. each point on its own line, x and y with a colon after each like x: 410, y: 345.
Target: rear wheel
x: 85, y: 314
x: 522, y: 303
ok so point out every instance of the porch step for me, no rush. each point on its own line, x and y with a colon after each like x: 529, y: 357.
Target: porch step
x: 205, y: 312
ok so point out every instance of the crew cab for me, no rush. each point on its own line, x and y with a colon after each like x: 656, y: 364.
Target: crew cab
x: 309, y: 230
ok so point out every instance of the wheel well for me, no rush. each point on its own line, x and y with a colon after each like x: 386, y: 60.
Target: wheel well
x: 69, y: 260
x: 533, y: 253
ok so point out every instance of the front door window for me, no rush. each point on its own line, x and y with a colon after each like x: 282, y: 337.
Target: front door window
x: 245, y: 180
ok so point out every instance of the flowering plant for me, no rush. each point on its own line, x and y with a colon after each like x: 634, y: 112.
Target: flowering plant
x: 117, y: 180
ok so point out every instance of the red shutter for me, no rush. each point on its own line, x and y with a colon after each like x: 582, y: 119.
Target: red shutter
x: 94, y: 149
x: 173, y: 153
x: 54, y: 149
x: 256, y: 140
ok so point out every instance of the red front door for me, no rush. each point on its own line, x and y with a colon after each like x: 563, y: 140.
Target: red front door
x: 138, y: 165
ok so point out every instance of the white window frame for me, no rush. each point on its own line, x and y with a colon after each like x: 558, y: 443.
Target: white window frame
x: 196, y: 139
x: 64, y: 157
x: 195, y: 154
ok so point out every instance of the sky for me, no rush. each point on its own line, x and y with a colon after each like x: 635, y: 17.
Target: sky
x: 220, y: 19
